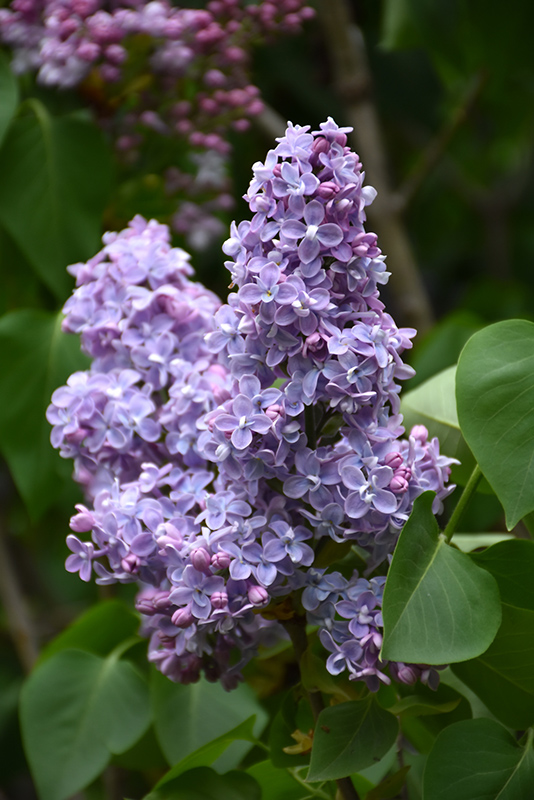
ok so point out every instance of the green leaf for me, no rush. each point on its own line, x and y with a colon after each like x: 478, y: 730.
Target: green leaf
x: 76, y: 710
x: 435, y: 398
x: 438, y: 607
x: 390, y: 787
x: 35, y: 358
x: 277, y: 784
x: 55, y: 184
x: 511, y: 563
x: 210, y: 752
x: 478, y: 759
x: 188, y: 717
x: 502, y: 676
x: 203, y: 783
x: 349, y: 737
x: 467, y: 542
x: 417, y: 706
x: 99, y: 630
x: 494, y: 390
x: 9, y: 96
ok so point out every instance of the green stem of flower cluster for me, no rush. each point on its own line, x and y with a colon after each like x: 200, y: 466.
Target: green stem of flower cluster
x: 472, y: 484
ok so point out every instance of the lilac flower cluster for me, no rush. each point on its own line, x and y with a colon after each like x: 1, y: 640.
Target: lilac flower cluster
x: 225, y: 445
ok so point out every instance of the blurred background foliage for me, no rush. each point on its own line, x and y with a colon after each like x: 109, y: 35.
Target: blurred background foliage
x: 452, y: 83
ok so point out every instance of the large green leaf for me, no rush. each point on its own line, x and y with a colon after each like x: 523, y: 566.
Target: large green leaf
x: 349, y: 737
x: 478, y: 759
x: 76, y: 710
x: 35, y: 358
x: 204, y: 783
x: 9, y: 95
x: 56, y: 176
x: 99, y: 630
x: 502, y: 676
x: 188, y: 717
x: 439, y: 607
x: 495, y: 391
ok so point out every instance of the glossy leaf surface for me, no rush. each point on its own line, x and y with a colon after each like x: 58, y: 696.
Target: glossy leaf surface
x: 439, y: 607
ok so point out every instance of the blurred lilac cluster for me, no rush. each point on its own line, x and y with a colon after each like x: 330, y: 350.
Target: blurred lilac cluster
x: 224, y: 446
x: 153, y: 67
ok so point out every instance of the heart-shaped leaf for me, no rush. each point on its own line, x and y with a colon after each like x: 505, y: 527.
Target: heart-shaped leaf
x: 76, y: 710
x: 438, y: 607
x: 494, y: 392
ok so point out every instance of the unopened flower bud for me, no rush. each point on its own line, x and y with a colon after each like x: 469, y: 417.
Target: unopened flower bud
x: 420, y: 433
x: 258, y: 596
x: 182, y: 618
x: 220, y: 561
x: 219, y: 599
x: 393, y: 460
x: 200, y: 559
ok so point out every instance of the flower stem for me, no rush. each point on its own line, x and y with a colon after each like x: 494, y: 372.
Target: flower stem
x: 472, y: 484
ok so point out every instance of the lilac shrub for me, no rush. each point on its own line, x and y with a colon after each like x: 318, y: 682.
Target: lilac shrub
x: 222, y: 447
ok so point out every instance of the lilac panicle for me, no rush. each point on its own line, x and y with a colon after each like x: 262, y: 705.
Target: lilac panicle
x: 222, y: 445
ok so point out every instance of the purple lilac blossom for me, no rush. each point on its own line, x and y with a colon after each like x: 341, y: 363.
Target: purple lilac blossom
x: 221, y: 446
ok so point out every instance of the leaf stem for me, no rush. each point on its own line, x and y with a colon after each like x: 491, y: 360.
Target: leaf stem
x: 472, y: 484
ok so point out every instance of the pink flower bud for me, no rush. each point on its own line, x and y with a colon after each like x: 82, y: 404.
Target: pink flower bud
x: 161, y: 601
x: 393, y: 460
x: 258, y: 596
x: 200, y: 559
x: 420, y: 433
x: 182, y: 618
x: 398, y: 484
x: 220, y: 561
x: 219, y: 599
x: 327, y: 190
